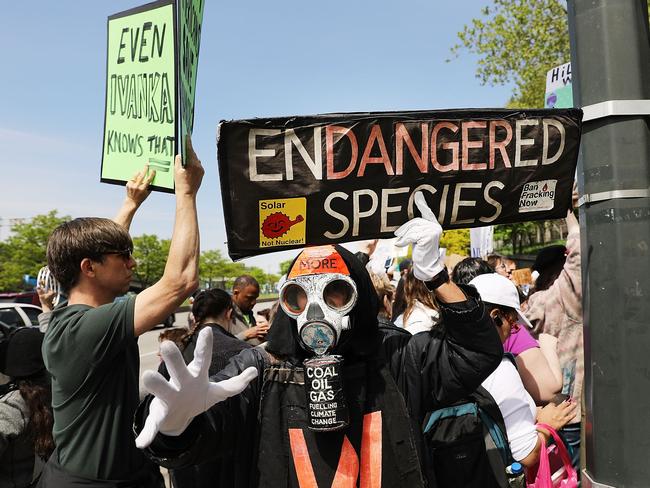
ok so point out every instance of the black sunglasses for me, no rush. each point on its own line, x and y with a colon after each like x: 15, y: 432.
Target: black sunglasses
x: 124, y: 254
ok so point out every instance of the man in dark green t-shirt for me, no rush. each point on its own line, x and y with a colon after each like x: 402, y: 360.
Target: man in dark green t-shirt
x: 91, y: 348
x: 93, y: 356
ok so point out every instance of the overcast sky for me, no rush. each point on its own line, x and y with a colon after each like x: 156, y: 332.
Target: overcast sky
x: 258, y: 58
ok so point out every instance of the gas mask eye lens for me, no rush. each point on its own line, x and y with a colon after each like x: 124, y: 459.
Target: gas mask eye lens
x: 294, y: 299
x: 338, y: 294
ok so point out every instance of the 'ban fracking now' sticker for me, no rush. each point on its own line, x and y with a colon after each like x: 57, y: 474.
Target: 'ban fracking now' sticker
x: 537, y: 196
x: 282, y: 221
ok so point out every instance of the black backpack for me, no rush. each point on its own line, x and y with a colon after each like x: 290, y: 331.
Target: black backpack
x: 466, y: 444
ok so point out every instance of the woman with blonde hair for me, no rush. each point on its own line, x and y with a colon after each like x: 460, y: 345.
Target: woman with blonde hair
x: 385, y: 294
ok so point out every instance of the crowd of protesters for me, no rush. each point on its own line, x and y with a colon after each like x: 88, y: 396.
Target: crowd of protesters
x: 66, y: 416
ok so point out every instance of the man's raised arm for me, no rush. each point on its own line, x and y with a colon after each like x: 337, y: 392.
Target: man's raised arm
x: 454, y: 359
x: 181, y: 275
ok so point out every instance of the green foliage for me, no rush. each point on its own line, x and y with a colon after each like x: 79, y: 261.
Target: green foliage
x: 257, y: 273
x: 284, y: 266
x: 215, y: 270
x: 531, y: 249
x: 24, y: 251
x: 272, y: 278
x: 518, y: 41
x: 514, y: 235
x: 150, y: 253
x: 456, y: 241
x: 523, y: 237
x: 212, y: 267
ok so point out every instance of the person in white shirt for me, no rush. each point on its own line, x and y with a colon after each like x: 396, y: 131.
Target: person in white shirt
x: 517, y: 407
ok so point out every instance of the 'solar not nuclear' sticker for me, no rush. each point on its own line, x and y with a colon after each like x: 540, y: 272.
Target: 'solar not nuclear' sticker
x: 282, y: 221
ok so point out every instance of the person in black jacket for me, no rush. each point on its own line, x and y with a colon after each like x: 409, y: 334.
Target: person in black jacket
x: 333, y: 400
x: 211, y: 309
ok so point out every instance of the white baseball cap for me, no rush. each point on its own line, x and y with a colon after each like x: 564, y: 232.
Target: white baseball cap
x: 499, y: 290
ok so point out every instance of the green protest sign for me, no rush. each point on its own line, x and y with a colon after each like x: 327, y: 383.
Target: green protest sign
x: 190, y: 14
x: 141, y: 95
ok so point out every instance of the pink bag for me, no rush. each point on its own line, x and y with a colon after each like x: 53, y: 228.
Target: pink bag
x: 565, y: 477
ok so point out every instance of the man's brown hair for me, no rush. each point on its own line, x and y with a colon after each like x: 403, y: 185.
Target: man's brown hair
x: 88, y: 237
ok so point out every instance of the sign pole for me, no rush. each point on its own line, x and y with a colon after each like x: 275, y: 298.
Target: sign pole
x: 610, y: 60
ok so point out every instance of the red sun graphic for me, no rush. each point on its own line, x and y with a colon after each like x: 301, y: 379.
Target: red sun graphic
x: 277, y: 224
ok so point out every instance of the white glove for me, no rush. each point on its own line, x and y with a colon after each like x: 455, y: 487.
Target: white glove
x: 189, y: 392
x: 424, y: 233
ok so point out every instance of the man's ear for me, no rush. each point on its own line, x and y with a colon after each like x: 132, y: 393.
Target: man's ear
x: 229, y: 314
x: 87, y: 267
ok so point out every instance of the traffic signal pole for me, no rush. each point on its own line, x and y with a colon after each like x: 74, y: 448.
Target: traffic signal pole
x: 610, y: 56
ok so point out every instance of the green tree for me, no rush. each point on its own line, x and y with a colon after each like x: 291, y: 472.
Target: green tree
x: 150, y: 253
x: 261, y: 276
x: 284, y: 266
x: 518, y: 41
x: 516, y: 236
x: 456, y: 241
x: 217, y: 270
x: 212, y: 267
x: 272, y: 278
x: 233, y: 270
x: 24, y: 251
x: 257, y: 273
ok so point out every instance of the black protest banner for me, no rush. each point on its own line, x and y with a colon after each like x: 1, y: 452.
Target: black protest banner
x: 296, y: 181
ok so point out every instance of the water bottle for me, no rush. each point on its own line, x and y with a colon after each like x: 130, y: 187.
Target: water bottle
x: 516, y: 476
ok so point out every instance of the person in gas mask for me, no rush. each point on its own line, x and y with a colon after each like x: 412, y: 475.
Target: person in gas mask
x: 331, y: 400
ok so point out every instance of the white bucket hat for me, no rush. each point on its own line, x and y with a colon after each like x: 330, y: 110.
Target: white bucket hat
x: 499, y: 290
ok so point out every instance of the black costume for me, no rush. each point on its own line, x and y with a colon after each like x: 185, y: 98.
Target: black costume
x: 391, y: 379
x: 212, y: 473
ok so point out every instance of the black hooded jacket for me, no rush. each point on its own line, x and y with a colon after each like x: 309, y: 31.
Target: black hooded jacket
x: 391, y: 379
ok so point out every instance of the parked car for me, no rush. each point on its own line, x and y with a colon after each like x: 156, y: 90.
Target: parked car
x: 19, y: 314
x: 30, y: 297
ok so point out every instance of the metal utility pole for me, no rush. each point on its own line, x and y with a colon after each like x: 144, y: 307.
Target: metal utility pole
x: 610, y: 55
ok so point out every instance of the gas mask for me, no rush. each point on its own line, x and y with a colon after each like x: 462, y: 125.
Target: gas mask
x: 319, y: 294
x: 319, y: 302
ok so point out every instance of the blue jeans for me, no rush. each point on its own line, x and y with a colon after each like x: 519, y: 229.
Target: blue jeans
x: 570, y: 434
